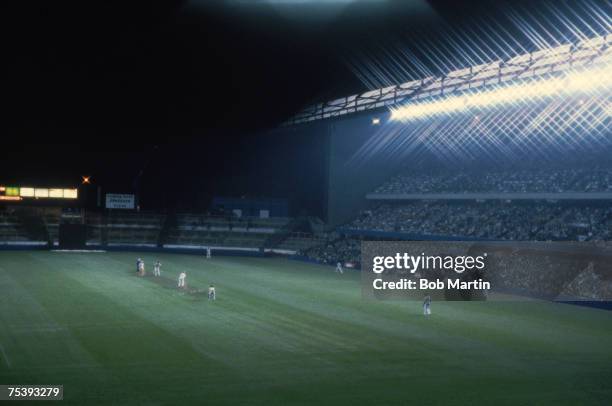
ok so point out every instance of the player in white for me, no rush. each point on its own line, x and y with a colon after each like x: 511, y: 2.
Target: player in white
x: 212, y: 295
x: 157, y: 268
x: 141, y: 268
x: 339, y: 268
x: 181, y: 280
x: 138, y: 261
x: 208, y: 255
x: 427, y: 305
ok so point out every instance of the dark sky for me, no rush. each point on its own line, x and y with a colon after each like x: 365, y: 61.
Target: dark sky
x: 182, y: 64
x: 102, y: 87
x: 228, y: 64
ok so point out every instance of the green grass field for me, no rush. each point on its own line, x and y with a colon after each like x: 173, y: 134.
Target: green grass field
x: 281, y: 333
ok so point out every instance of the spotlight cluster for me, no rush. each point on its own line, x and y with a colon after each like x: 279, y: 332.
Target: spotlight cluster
x: 535, y: 89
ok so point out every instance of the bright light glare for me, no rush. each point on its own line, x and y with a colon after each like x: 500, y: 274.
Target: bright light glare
x: 570, y: 83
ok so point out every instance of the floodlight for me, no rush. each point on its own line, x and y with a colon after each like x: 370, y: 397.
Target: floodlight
x: 582, y: 82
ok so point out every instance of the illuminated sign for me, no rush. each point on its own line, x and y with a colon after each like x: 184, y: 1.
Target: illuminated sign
x: 11, y: 191
x: 71, y: 194
x: 41, y: 192
x: 15, y: 193
x: 120, y: 201
x: 27, y: 192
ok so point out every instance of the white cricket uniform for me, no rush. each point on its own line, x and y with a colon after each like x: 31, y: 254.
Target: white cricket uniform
x: 157, y: 269
x: 212, y: 295
x: 339, y: 268
x: 427, y: 306
x: 208, y: 252
x: 181, y: 279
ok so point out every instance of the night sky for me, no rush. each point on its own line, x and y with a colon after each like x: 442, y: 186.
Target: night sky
x: 183, y: 91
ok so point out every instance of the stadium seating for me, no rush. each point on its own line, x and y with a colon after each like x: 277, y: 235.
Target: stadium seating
x: 541, y: 221
x: 144, y: 229
x: 94, y: 228
x: 300, y: 242
x: 223, y: 231
x: 341, y: 249
x: 134, y: 229
x: 535, y: 180
x: 51, y: 220
x: 529, y: 220
x: 11, y: 231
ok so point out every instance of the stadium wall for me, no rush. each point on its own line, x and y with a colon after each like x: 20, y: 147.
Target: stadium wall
x: 355, y: 168
x: 329, y: 166
x: 292, y: 162
x: 351, y: 167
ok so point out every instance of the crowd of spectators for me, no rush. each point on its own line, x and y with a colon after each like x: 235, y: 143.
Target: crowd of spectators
x: 534, y: 221
x: 542, y: 273
x: 551, y: 275
x: 593, y: 283
x: 532, y: 180
x: 339, y: 249
x: 535, y: 273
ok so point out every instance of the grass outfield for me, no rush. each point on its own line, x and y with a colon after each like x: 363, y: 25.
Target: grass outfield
x: 281, y: 332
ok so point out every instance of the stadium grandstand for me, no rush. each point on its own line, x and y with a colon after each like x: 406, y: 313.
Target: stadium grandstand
x: 443, y: 164
x: 259, y: 262
x: 183, y: 231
